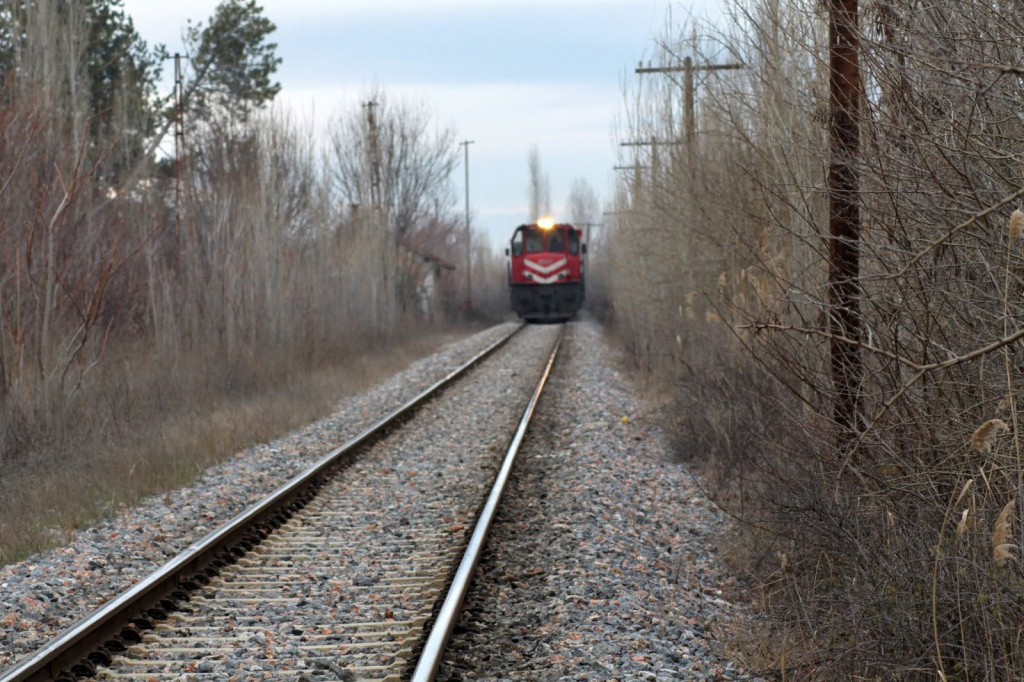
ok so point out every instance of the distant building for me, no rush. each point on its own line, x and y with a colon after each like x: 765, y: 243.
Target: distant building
x: 425, y: 275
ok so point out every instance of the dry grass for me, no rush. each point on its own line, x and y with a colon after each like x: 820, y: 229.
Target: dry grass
x: 147, y: 432
x: 984, y: 437
x: 1002, y: 547
x: 897, y: 567
x: 156, y: 317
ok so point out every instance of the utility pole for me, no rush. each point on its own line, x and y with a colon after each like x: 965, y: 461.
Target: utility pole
x: 371, y: 122
x: 844, y: 214
x: 655, y: 166
x: 469, y: 274
x: 689, y: 126
x: 377, y: 221
x: 687, y: 69
x: 636, y: 168
x: 653, y: 144
x: 588, y: 228
x: 179, y: 141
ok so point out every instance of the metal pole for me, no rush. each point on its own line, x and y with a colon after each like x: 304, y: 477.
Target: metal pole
x: 469, y: 264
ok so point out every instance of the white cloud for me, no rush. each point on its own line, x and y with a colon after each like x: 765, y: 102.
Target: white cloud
x: 570, y: 121
x: 340, y: 7
x: 161, y: 16
x: 504, y: 119
x: 326, y: 9
x: 163, y: 22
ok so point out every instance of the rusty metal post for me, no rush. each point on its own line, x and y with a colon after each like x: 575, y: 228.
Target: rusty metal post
x: 844, y: 213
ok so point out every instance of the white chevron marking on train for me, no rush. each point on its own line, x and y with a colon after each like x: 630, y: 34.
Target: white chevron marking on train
x: 545, y: 269
x: 548, y: 280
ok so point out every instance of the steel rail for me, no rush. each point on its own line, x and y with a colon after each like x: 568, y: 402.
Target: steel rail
x: 430, y: 657
x: 224, y: 544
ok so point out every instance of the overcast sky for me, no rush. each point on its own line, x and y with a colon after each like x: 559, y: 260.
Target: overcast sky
x: 507, y: 74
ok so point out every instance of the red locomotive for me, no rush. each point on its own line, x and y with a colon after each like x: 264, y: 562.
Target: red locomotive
x: 545, y: 271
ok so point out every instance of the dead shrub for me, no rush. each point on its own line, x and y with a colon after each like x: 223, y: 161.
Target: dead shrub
x: 886, y: 547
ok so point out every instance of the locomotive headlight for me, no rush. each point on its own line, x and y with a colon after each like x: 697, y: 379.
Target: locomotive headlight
x: 546, y: 223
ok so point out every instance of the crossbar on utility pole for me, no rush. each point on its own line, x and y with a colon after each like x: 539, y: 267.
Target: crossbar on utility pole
x: 649, y: 143
x: 677, y: 69
x: 469, y: 263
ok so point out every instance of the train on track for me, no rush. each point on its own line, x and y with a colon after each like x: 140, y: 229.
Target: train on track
x: 546, y: 271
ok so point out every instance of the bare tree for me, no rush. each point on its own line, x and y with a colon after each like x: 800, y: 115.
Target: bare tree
x: 397, y: 145
x: 720, y: 263
x: 113, y: 322
x: 539, y: 187
x: 584, y: 206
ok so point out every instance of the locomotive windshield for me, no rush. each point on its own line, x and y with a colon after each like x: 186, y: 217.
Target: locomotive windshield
x: 517, y: 243
x: 530, y: 239
x: 534, y: 239
x: 556, y: 240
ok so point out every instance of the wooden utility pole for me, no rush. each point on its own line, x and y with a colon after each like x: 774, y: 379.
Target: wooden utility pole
x: 689, y: 125
x: 469, y: 278
x: 378, y: 221
x: 637, y: 179
x: 588, y: 230
x: 687, y: 69
x: 636, y: 168
x: 844, y: 213
x: 655, y: 167
x: 371, y: 122
x: 179, y: 141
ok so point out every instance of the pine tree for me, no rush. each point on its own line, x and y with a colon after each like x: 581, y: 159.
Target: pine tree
x: 233, y: 62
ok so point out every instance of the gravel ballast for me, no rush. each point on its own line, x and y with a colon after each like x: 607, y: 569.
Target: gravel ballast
x: 44, y: 594
x: 602, y: 563
x: 354, y: 575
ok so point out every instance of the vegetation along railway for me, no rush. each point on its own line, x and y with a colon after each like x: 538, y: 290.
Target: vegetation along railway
x: 342, y: 572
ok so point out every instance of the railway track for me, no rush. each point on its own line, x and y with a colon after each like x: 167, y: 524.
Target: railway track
x: 337, y: 574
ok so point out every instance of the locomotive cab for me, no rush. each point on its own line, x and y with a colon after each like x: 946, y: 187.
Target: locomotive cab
x: 545, y: 271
